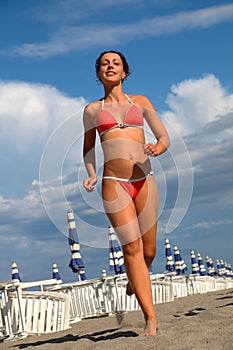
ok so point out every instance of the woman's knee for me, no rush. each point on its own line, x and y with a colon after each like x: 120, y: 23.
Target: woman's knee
x: 150, y: 253
x: 133, y: 248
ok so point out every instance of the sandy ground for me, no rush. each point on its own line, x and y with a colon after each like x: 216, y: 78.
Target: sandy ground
x: 196, y: 322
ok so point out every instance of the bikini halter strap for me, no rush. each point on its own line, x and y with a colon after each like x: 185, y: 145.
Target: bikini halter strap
x: 128, y: 98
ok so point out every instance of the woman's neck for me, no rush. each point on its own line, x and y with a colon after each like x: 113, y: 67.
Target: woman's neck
x: 114, y: 94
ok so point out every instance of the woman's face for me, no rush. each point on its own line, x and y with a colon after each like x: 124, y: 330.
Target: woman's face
x: 111, y: 69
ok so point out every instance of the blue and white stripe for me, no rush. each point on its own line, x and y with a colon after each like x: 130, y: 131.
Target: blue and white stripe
x: 56, y: 274
x: 194, y: 264
x: 15, y: 272
x: 180, y: 265
x: 210, y: 266
x: 170, y: 266
x: 76, y: 262
x: 116, y: 259
x: 202, y: 269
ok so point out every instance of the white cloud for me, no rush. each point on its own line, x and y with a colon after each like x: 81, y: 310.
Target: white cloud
x: 27, y: 207
x: 23, y: 243
x: 77, y: 37
x: 73, y: 10
x: 49, y: 202
x: 30, y: 112
x: 67, y: 193
x: 210, y: 224
x: 202, y: 112
x: 196, y: 102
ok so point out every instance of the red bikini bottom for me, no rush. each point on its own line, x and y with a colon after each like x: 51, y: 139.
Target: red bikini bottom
x: 132, y: 188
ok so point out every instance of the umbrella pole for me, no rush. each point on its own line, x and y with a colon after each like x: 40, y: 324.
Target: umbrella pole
x: 78, y: 276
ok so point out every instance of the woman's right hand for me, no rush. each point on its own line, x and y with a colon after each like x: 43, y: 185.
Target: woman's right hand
x: 89, y: 184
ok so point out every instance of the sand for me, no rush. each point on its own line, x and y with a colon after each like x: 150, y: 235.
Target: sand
x: 203, y: 321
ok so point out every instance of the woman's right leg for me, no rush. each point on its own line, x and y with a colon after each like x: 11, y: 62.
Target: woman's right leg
x: 123, y: 216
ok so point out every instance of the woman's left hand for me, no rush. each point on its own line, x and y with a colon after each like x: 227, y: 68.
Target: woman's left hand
x: 150, y: 150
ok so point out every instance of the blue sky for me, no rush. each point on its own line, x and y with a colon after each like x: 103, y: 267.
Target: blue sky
x: 180, y: 54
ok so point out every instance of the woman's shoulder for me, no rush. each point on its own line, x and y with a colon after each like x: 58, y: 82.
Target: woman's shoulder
x: 92, y: 108
x: 93, y: 105
x: 141, y: 100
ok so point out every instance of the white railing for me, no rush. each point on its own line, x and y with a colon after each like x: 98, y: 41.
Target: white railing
x: 6, y: 322
x: 107, y: 295
x: 54, y: 307
x: 195, y: 284
x: 90, y: 298
x: 43, y: 312
x: 24, y: 312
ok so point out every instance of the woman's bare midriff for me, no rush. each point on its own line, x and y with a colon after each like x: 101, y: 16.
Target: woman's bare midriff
x: 124, y: 157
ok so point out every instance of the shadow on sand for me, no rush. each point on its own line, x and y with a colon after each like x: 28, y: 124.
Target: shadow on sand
x: 95, y: 337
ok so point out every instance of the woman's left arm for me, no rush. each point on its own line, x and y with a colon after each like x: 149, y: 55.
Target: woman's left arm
x: 156, y: 126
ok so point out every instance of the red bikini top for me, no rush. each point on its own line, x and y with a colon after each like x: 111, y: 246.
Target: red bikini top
x: 106, y: 121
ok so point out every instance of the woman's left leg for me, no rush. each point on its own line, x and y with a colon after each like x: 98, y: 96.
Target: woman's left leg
x: 147, y: 208
x: 146, y: 204
x: 137, y: 272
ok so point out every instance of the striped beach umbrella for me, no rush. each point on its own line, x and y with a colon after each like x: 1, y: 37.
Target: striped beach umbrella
x: 76, y: 262
x: 227, y: 271
x: 116, y: 259
x: 223, y: 267
x: 180, y: 265
x: 202, y: 269
x: 210, y: 266
x: 170, y: 266
x: 56, y: 274
x: 230, y: 272
x: 15, y: 272
x: 220, y: 267
x: 194, y: 264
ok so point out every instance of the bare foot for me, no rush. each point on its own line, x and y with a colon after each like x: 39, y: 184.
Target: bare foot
x: 151, y: 328
x: 129, y: 289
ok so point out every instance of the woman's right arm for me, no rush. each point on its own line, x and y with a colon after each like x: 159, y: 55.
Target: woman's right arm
x: 89, y: 150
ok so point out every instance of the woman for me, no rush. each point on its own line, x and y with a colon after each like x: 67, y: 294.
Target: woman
x: 129, y: 191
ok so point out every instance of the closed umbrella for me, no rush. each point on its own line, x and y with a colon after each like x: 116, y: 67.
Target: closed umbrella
x: 227, y: 271
x: 194, y: 264
x: 76, y: 262
x: 116, y: 259
x: 220, y: 268
x: 170, y: 266
x: 15, y: 272
x: 230, y: 272
x: 202, y: 269
x: 223, y: 267
x: 56, y: 274
x: 180, y: 265
x: 210, y: 266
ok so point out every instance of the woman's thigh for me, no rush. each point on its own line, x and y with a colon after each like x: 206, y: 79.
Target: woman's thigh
x: 146, y: 204
x: 121, y: 211
x: 131, y: 219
